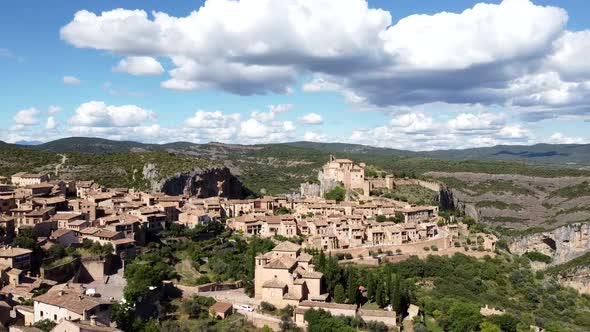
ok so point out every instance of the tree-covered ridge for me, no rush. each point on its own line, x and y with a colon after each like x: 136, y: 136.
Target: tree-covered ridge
x: 17, y: 159
x: 127, y: 169
x: 120, y: 169
x: 280, y: 168
x: 451, y: 290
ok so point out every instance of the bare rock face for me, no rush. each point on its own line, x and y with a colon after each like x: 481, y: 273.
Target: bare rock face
x: 213, y: 182
x: 578, y: 279
x: 562, y: 244
x: 516, y: 201
x: 451, y: 199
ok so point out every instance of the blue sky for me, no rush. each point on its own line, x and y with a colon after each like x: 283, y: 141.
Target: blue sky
x: 417, y: 75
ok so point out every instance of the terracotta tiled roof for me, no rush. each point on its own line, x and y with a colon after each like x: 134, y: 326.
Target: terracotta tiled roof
x: 282, y: 263
x: 312, y: 275
x: 71, y: 301
x: 85, y: 325
x: 287, y: 246
x: 274, y: 283
x: 304, y: 257
x: 12, y: 252
x: 60, y: 232
x: 221, y: 307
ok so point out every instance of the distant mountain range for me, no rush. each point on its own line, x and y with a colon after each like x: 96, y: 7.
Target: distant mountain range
x: 571, y: 155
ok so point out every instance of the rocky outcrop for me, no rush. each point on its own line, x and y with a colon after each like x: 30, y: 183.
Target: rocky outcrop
x: 579, y: 279
x: 516, y: 201
x: 449, y: 200
x: 213, y: 182
x: 562, y: 244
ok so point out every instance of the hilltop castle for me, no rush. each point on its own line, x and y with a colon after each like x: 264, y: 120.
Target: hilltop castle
x: 343, y: 171
x: 351, y: 176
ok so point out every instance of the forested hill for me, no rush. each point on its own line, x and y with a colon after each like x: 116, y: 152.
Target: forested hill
x: 562, y: 155
x: 574, y: 155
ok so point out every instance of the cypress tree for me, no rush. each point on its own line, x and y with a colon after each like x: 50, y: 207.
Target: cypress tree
x: 396, y: 294
x: 321, y: 265
x: 371, y: 285
x: 352, y: 286
x: 339, y: 296
x: 380, y: 295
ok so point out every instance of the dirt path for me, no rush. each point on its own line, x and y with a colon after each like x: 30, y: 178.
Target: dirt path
x: 64, y: 159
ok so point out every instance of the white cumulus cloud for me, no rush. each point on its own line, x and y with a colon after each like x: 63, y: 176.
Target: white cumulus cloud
x: 140, y: 66
x: 54, y: 109
x: 51, y: 124
x: 71, y: 80
x: 559, y: 138
x: 311, y: 118
x: 27, y: 117
x: 99, y: 114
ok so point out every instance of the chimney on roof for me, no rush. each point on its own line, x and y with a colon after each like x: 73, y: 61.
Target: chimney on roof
x: 93, y: 320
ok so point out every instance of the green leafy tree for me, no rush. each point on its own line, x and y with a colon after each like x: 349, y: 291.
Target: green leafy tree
x: 322, y: 321
x: 57, y: 251
x: 339, y: 295
x: 464, y: 317
x: 287, y: 324
x: 337, y: 193
x: 148, y: 270
x: 26, y: 238
x: 489, y: 327
x: 45, y: 325
x: 506, y: 322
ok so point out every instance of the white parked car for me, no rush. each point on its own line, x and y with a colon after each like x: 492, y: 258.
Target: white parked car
x: 246, y: 307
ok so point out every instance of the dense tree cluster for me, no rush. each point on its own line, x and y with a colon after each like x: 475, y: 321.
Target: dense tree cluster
x: 337, y: 193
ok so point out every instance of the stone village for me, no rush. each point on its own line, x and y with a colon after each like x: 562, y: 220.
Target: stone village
x: 365, y: 229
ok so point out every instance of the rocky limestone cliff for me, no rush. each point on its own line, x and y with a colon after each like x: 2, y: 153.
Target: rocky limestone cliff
x: 213, y: 182
x: 579, y: 279
x: 449, y: 200
x: 562, y: 244
x: 517, y: 201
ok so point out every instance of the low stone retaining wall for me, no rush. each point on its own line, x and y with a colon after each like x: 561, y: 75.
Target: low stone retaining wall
x: 215, y: 287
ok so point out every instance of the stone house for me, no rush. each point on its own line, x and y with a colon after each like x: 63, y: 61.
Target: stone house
x: 63, y: 236
x: 285, y: 276
x: 100, y: 235
x: 69, y: 305
x: 417, y: 214
x: 38, y: 190
x: 221, y: 310
x: 58, y: 203
x: 63, y: 219
x: 7, y: 203
x: 16, y: 258
x: 24, y: 179
x: 193, y: 218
